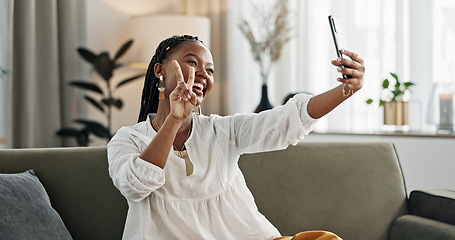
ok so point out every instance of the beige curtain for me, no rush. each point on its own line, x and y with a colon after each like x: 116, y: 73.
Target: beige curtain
x: 216, y: 10
x: 46, y: 34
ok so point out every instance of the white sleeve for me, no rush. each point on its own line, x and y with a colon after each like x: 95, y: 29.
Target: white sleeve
x: 135, y: 178
x: 274, y: 129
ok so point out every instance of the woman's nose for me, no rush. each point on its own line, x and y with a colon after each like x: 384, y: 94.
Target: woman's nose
x: 201, y: 72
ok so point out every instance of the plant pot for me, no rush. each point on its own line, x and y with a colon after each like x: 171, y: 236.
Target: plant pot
x: 396, y: 113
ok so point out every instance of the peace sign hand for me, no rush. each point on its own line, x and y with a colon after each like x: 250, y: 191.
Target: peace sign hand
x: 182, y: 98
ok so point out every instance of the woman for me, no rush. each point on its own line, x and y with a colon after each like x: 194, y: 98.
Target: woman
x: 178, y: 170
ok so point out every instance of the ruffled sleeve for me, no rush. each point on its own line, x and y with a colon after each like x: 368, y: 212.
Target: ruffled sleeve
x: 134, y: 177
x: 274, y: 129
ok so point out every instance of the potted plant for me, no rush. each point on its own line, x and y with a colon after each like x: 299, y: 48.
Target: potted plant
x: 393, y: 100
x: 104, y: 65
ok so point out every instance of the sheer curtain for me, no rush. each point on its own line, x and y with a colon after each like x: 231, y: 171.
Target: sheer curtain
x: 391, y: 36
x: 5, y: 64
x: 371, y: 30
x: 45, y: 34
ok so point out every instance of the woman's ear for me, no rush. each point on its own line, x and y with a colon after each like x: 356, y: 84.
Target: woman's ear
x: 158, y: 70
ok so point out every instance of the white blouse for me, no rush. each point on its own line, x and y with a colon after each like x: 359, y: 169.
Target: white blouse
x: 213, y: 202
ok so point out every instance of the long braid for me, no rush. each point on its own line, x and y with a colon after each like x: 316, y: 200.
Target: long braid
x: 149, y: 100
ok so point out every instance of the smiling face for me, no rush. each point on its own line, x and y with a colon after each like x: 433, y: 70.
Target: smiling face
x: 188, y: 54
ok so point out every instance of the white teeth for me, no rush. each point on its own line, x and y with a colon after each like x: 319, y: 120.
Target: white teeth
x: 199, y: 86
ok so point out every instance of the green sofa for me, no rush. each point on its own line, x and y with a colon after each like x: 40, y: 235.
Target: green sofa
x: 353, y: 189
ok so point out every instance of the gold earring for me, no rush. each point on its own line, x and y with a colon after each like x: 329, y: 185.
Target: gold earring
x: 161, y: 88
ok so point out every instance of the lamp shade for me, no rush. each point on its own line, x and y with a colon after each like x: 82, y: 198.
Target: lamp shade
x: 148, y: 31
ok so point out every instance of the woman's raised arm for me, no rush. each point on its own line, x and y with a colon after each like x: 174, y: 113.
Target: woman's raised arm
x: 323, y: 103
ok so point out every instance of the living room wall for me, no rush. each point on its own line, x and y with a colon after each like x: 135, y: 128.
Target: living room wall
x: 107, y: 29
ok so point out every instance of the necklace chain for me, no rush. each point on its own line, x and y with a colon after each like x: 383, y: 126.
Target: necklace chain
x: 175, y: 148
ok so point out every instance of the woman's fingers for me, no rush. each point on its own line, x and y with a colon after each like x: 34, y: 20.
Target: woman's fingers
x: 350, y: 63
x: 186, y: 88
x: 190, y: 81
x: 354, y: 56
x: 353, y: 67
x: 178, y: 72
x: 189, y: 85
x: 350, y: 71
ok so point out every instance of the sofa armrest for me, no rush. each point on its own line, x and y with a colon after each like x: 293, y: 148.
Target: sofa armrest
x: 438, y: 205
x: 410, y: 227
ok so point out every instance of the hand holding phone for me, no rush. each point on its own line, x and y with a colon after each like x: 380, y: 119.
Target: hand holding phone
x: 338, y: 38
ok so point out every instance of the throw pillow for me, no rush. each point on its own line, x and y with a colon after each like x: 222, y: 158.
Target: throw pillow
x: 26, y: 211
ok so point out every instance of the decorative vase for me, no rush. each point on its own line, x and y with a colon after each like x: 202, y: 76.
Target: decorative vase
x: 265, y: 103
x: 396, y: 114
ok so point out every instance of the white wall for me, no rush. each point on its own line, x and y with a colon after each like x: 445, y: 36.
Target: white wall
x: 107, y: 29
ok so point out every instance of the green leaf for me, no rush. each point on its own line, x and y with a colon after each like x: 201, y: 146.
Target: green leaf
x: 381, y: 102
x: 397, y: 92
x: 3, y: 73
x: 94, y: 103
x: 68, y: 132
x: 118, y: 103
x: 394, y: 76
x: 81, y: 136
x: 385, y: 83
x: 86, y: 54
x: 87, y: 86
x: 408, y: 84
x: 397, y: 85
x: 82, y: 139
x: 104, y: 66
x: 117, y: 65
x: 113, y: 102
x: 108, y: 101
x: 369, y: 101
x: 129, y: 80
x: 96, y: 128
x: 123, y: 49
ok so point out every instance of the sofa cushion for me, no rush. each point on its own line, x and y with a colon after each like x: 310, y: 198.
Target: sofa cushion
x: 76, y: 180
x: 354, y: 189
x: 434, y: 204
x: 26, y: 211
x: 410, y: 227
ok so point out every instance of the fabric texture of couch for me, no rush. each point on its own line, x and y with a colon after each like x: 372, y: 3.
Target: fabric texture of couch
x: 26, y: 211
x: 355, y: 190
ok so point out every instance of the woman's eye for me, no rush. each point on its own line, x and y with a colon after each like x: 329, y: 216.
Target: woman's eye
x: 210, y: 71
x: 192, y: 62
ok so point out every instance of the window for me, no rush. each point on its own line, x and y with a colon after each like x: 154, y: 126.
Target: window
x: 391, y: 35
x: 444, y: 41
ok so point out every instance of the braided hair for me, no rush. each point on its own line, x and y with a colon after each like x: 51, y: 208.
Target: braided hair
x: 149, y: 101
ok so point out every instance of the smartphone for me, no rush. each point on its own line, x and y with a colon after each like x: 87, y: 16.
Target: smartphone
x: 338, y: 38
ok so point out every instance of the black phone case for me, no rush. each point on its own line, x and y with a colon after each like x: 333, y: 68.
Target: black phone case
x: 333, y: 29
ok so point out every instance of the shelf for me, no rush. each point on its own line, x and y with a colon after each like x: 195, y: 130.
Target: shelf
x: 393, y: 134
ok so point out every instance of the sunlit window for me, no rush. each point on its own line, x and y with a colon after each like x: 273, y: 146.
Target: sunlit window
x: 413, y: 39
x: 444, y: 41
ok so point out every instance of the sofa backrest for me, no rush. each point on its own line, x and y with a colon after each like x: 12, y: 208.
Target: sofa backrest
x: 355, y: 190
x: 78, y: 184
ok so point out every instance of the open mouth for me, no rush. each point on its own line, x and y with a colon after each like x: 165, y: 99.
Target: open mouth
x: 198, y: 88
